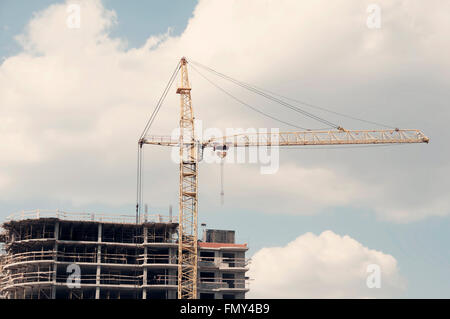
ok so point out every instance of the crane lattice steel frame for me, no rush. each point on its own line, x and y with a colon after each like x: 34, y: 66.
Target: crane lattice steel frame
x: 187, y: 239
x: 189, y: 149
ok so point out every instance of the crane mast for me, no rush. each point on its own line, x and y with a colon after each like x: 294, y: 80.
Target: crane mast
x: 188, y: 154
x: 187, y: 231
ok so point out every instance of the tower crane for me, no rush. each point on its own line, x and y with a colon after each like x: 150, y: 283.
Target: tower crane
x: 189, y: 148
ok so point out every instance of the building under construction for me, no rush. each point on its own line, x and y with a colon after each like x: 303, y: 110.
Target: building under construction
x: 60, y: 255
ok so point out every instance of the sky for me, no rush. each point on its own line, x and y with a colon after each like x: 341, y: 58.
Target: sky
x: 73, y: 102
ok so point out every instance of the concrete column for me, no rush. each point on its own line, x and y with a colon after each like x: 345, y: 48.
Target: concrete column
x: 99, y: 260
x: 56, y: 235
x: 217, y: 258
x: 144, y: 273
x: 144, y: 265
x: 172, y: 294
x: 172, y: 259
x: 100, y: 230
x: 55, y: 258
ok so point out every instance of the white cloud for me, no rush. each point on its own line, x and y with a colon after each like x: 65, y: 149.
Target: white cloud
x: 292, y: 190
x: 74, y: 102
x: 324, y: 266
x: 48, y: 32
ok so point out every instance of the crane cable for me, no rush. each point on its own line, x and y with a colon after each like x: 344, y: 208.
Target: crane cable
x: 222, y: 194
x: 160, y: 101
x: 267, y: 93
x: 267, y: 96
x: 149, y: 123
x: 244, y: 103
x: 327, y: 109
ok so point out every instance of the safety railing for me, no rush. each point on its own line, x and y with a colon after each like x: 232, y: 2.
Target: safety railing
x: 48, y: 277
x: 75, y: 257
x: 27, y: 277
x: 164, y: 280
x: 152, y: 238
x: 12, y: 279
x: 224, y: 262
x: 158, y: 259
x: 44, y: 277
x: 114, y: 279
x: 97, y: 217
x: 223, y: 283
x: 29, y: 256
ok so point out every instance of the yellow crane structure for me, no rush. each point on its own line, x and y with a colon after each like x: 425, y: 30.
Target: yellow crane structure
x: 189, y: 158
